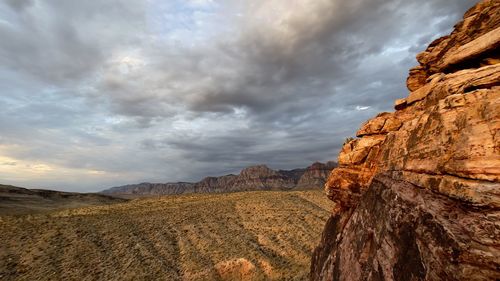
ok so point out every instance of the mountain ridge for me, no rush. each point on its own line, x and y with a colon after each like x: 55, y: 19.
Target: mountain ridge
x: 257, y: 177
x: 19, y: 200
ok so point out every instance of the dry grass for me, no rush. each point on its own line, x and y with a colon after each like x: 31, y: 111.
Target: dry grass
x: 237, y: 236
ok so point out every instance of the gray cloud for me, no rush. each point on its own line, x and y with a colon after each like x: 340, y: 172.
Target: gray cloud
x: 121, y: 91
x: 19, y: 5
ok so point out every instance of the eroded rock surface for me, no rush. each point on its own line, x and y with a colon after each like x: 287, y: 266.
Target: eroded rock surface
x: 418, y: 192
x: 402, y: 232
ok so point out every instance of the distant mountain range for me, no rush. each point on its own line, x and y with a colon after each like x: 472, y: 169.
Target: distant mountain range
x: 258, y: 177
x: 17, y: 200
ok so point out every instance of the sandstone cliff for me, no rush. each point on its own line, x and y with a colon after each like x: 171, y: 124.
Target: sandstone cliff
x: 316, y: 175
x: 258, y: 177
x: 418, y: 192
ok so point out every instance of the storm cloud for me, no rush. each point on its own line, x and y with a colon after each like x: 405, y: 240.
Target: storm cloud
x: 103, y: 93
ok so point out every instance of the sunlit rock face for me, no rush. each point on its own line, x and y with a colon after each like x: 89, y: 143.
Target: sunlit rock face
x: 418, y: 192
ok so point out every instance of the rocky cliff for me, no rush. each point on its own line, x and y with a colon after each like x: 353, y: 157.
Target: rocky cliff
x: 258, y: 177
x: 418, y: 192
x: 316, y: 175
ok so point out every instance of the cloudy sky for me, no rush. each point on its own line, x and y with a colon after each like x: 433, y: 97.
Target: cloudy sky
x: 102, y: 93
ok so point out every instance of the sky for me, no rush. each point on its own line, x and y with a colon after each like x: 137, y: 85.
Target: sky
x: 96, y: 94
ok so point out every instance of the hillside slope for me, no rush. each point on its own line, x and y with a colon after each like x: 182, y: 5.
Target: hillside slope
x: 233, y: 236
x: 418, y: 192
x: 16, y: 200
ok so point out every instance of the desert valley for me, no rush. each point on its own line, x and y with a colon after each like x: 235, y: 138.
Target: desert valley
x: 260, y: 224
x: 253, y: 235
x: 181, y: 153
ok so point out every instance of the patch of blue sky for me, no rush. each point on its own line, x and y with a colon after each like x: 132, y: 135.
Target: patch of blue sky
x: 181, y: 21
x: 7, y: 15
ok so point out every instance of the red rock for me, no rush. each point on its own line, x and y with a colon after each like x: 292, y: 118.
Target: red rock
x: 418, y: 193
x: 416, y: 79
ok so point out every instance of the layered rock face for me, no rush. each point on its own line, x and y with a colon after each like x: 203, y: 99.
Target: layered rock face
x: 418, y: 192
x: 261, y: 177
x: 316, y: 175
x: 258, y: 177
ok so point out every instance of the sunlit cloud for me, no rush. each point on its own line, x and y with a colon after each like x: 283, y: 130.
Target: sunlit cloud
x: 360, y: 108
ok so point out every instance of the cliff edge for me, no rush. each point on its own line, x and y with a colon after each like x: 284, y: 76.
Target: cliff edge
x: 418, y: 192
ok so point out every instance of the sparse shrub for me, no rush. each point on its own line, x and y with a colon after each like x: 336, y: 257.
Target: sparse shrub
x: 189, y: 236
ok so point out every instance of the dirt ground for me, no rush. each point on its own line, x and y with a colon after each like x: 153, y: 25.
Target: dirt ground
x: 263, y: 235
